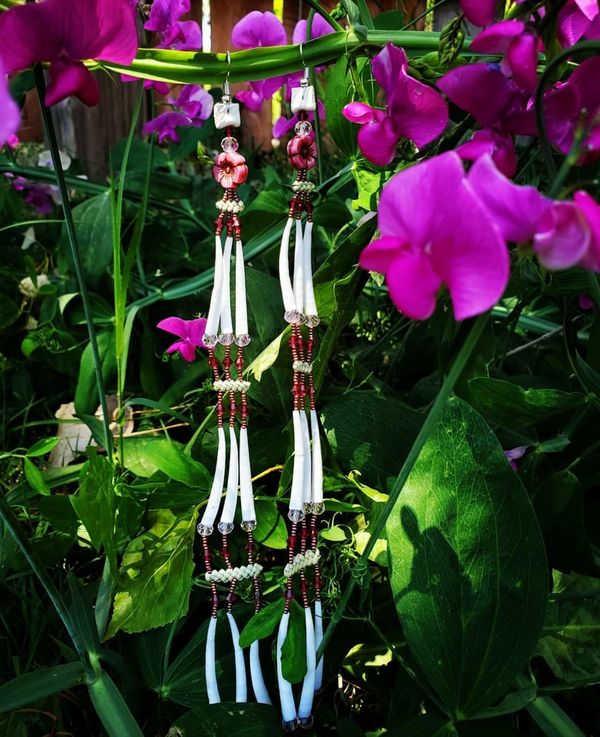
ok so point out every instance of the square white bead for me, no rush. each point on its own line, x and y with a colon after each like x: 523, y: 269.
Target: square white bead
x: 227, y: 114
x: 303, y: 98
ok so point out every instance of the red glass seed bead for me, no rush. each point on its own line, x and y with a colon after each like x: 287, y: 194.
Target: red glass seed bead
x: 292, y: 541
x: 213, y: 362
x: 227, y: 361
x: 303, y: 586
x: 304, y: 533
x: 250, y: 547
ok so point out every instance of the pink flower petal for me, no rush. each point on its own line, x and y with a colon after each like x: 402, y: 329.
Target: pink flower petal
x: 359, y: 112
x: 500, y: 147
x: 563, y: 236
x: 185, y: 348
x: 521, y: 58
x: 10, y: 115
x: 377, y: 140
x: 196, y: 330
x: 388, y: 66
x: 413, y: 284
x: 480, y: 89
x: 258, y: 29
x: 418, y: 112
x: 164, y: 13
x: 591, y: 211
x: 68, y: 79
x: 175, y: 325
x: 516, y: 211
x: 250, y: 99
x: 498, y: 37
x: 320, y: 27
x: 572, y: 24
x: 185, y: 35
x: 380, y: 253
x: 479, y: 12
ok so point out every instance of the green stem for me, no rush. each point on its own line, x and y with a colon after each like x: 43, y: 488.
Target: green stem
x: 121, y: 276
x: 434, y: 413
x: 317, y: 121
x: 324, y: 14
x: 365, y: 15
x: 74, y: 247
x: 429, y: 10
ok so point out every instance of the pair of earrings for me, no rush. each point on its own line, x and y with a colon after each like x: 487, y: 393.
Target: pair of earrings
x: 230, y: 330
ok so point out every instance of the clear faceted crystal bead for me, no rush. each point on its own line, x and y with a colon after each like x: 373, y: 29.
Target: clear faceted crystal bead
x: 312, y: 320
x: 242, y: 340
x: 306, y: 722
x: 294, y: 317
x: 290, y: 726
x: 229, y: 145
x: 302, y: 128
x: 226, y: 338
x: 225, y: 527
x: 318, y: 508
x: 249, y: 525
x: 204, y: 530
x: 295, y: 515
x: 210, y: 341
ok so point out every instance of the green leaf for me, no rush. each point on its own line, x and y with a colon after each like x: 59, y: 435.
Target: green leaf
x: 111, y: 708
x: 570, y: 641
x: 42, y: 447
x: 270, y: 529
x: 86, y: 392
x: 339, y: 92
x: 468, y: 570
x: 9, y: 312
x: 32, y: 687
x: 293, y: 652
x: 157, y: 568
x: 96, y: 503
x: 233, y: 720
x: 558, y: 503
x: 35, y: 478
x: 372, y: 434
x: 552, y: 720
x: 369, y: 182
x: 429, y: 725
x: 93, y: 227
x: 510, y: 404
x: 145, y: 456
x: 263, y: 623
x: 334, y: 534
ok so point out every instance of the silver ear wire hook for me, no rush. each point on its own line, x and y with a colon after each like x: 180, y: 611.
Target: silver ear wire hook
x: 226, y: 86
x: 305, y: 79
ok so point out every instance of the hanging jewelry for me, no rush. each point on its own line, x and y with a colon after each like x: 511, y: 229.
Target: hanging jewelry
x: 230, y: 171
x: 306, y: 495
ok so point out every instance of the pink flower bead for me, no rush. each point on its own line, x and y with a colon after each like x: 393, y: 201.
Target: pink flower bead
x: 302, y: 152
x: 230, y: 170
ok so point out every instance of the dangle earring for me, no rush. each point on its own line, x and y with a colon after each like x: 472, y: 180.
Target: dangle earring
x: 230, y: 171
x: 306, y: 495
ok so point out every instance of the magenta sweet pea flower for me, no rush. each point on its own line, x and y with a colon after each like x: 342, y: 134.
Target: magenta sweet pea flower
x: 576, y: 19
x: 42, y: 197
x: 190, y: 333
x: 165, y: 126
x: 320, y: 27
x: 254, y: 30
x: 499, y: 146
x: 185, y: 35
x: 10, y: 115
x: 414, y: 110
x: 64, y: 33
x: 435, y: 231
x: 479, y: 12
x: 165, y: 13
x: 519, y: 46
x: 195, y: 102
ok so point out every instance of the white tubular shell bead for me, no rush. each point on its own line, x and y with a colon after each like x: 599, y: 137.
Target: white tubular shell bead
x: 318, y: 640
x: 317, y: 460
x: 241, y: 685
x: 297, y: 492
x: 287, y: 292
x: 246, y: 494
x: 286, y: 694
x: 214, y: 499
x: 214, y: 310
x: 306, y: 473
x: 226, y: 320
x: 228, y: 513
x: 308, y: 685
x: 310, y: 305
x: 210, y: 669
x: 241, y: 308
x: 258, y: 682
x: 299, y: 268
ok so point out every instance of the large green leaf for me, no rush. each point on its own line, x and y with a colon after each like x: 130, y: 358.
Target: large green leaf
x: 468, y: 570
x: 34, y: 686
x: 95, y: 505
x: 263, y: 623
x: 508, y: 403
x: 233, y: 720
x: 146, y: 456
x: 158, y: 567
x: 570, y: 641
x: 271, y: 529
x: 86, y: 392
x: 372, y: 434
x: 93, y: 226
x: 112, y: 708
